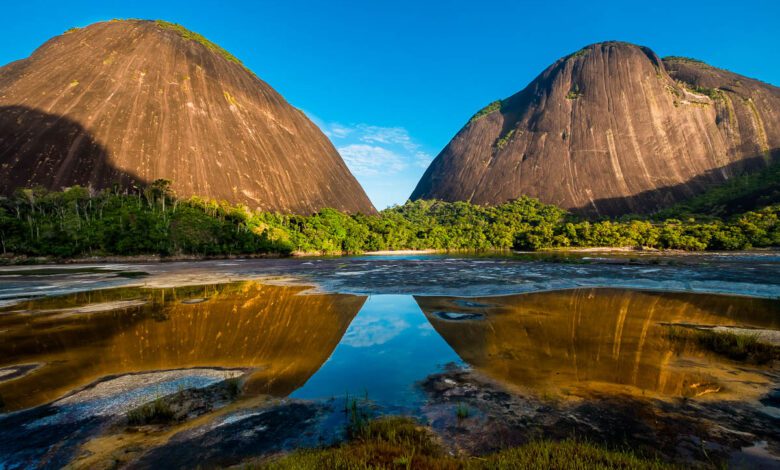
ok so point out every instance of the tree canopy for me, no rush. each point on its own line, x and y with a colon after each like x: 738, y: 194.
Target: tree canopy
x: 80, y: 222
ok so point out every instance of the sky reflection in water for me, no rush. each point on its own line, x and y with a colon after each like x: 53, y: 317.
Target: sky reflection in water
x: 321, y: 346
x: 388, y: 347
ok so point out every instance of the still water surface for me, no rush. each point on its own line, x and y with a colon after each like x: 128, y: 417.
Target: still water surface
x: 533, y: 347
x: 287, y: 342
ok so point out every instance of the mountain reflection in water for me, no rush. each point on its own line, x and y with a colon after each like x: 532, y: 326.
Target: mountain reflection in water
x: 600, y: 340
x: 317, y: 346
x: 77, y: 339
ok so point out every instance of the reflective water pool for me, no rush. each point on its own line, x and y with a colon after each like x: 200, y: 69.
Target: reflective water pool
x: 316, y: 346
x: 86, y: 359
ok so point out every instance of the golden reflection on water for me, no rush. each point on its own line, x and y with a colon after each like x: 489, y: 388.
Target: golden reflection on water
x: 286, y: 337
x: 600, y: 340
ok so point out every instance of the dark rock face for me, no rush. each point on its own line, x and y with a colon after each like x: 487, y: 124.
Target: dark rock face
x: 608, y: 130
x: 129, y: 102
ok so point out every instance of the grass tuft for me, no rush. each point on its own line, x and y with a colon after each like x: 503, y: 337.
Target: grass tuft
x: 233, y: 387
x: 401, y: 443
x: 155, y: 412
x: 738, y: 347
x: 565, y: 455
x: 494, y: 106
x: 193, y: 36
x: 388, y: 442
x: 504, y: 139
x: 358, y: 415
x: 574, y: 93
x: 580, y: 53
x: 462, y: 411
x: 676, y: 58
x: 712, y: 93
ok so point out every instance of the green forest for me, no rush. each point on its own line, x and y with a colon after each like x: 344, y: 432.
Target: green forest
x: 78, y: 222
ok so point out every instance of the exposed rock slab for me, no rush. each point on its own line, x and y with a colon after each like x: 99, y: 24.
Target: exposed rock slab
x: 129, y: 102
x: 608, y: 130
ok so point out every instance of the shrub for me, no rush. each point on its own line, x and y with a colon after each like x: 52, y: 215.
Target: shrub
x: 504, y: 139
x: 494, y: 106
x: 712, y: 93
x: 574, y: 93
x: 193, y: 36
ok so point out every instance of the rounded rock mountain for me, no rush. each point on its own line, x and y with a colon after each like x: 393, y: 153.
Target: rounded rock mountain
x: 608, y: 130
x: 131, y: 101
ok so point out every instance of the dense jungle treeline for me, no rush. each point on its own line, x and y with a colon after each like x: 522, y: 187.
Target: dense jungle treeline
x: 79, y: 222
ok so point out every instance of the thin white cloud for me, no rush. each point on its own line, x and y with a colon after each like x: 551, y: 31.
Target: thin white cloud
x: 373, y: 330
x: 371, y: 150
x: 386, y: 135
x: 387, y: 161
x: 395, y: 136
x: 371, y: 160
x: 338, y: 131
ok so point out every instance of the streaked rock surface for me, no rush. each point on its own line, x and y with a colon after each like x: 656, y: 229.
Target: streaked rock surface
x: 611, y: 129
x: 132, y: 101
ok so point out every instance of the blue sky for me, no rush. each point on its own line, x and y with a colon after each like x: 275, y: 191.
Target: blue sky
x: 392, y: 81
